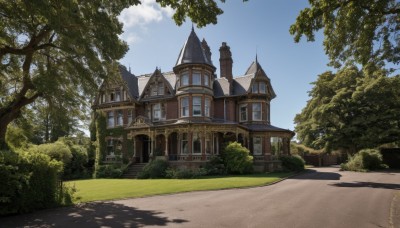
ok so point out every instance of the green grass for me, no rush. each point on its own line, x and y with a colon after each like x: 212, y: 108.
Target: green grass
x: 108, y: 189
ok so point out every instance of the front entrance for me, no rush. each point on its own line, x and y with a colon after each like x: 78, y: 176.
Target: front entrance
x: 144, y: 148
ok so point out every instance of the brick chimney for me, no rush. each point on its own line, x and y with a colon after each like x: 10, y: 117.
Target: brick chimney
x: 225, y: 61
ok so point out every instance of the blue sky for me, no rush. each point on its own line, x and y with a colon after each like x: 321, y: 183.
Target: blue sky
x: 247, y: 27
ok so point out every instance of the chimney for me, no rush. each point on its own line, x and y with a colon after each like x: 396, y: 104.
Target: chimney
x: 225, y: 61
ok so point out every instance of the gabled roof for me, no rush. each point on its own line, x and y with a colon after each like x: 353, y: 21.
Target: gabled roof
x: 193, y: 52
x: 150, y: 79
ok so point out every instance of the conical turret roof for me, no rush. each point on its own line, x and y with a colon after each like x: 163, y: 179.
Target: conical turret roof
x: 193, y: 52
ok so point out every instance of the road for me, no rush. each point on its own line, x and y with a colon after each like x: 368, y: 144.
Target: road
x: 322, y: 197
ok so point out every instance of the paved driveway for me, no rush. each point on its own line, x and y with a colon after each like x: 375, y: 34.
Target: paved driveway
x: 323, y: 197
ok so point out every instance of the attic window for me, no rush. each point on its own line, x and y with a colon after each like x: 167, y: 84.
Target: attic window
x: 254, y: 88
x: 262, y: 87
x: 160, y: 88
x: 258, y: 87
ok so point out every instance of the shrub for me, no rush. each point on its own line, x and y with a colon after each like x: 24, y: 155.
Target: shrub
x: 30, y: 181
x: 215, y: 166
x: 76, y: 169
x: 364, y: 160
x: 185, y: 173
x: 108, y: 171
x: 237, y: 159
x: 292, y: 163
x: 154, y: 169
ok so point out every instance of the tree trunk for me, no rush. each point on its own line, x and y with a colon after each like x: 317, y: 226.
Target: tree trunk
x: 4, y: 121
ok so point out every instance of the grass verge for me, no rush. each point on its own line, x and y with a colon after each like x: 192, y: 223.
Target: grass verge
x: 109, y: 189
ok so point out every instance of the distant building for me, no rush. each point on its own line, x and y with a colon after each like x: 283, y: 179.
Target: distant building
x: 186, y: 115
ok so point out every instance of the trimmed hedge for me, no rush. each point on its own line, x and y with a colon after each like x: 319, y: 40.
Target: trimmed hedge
x: 292, y: 163
x: 30, y: 181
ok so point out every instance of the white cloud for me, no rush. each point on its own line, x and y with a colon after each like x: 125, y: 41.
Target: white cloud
x: 141, y: 15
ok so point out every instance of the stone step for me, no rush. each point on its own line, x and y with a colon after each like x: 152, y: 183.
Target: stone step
x: 133, y: 170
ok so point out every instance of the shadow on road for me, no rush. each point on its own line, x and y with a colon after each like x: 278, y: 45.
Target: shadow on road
x: 103, y: 214
x: 316, y: 175
x: 367, y: 185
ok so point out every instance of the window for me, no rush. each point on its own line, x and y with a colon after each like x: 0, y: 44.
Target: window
x: 257, y: 146
x: 153, y: 90
x: 196, y: 78
x: 276, y: 146
x: 254, y: 88
x: 207, y: 107
x: 196, y: 143
x: 103, y: 98
x: 262, y: 87
x: 160, y: 88
x: 243, y: 112
x: 119, y: 118
x: 110, y: 147
x: 112, y: 96
x: 196, y: 106
x: 207, y: 80
x: 156, y: 112
x: 208, y: 144
x: 185, y: 79
x: 130, y: 115
x: 185, y: 106
x: 118, y: 95
x: 257, y: 111
x: 184, y: 144
x: 110, y: 119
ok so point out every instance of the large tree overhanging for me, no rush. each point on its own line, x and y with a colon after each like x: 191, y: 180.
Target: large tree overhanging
x: 61, y: 49
x: 362, y: 31
x: 351, y: 110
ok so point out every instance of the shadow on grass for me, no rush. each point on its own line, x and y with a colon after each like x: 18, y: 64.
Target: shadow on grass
x: 316, y: 175
x: 367, y: 185
x: 98, y: 214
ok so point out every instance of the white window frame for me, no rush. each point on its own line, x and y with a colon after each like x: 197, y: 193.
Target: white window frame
x: 184, y: 143
x: 254, y: 109
x: 156, y: 112
x: 207, y: 105
x: 184, y: 106
x: 257, y: 145
x: 243, y: 112
x: 196, y: 78
x: 110, y: 119
x: 196, y: 139
x: 196, y: 106
x: 120, y: 118
x: 185, y: 79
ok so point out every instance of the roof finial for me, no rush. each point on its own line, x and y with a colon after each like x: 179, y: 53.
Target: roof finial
x: 192, y: 27
x: 256, y: 53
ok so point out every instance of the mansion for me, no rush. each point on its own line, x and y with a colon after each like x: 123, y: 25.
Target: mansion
x: 186, y: 116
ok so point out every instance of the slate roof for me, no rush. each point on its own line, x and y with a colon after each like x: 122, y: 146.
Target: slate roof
x: 221, y: 87
x: 265, y: 127
x: 193, y: 52
x: 242, y: 84
x: 130, y: 80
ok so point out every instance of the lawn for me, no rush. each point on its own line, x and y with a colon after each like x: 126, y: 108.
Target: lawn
x: 108, y: 189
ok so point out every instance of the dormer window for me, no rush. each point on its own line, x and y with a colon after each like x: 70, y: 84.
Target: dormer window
x: 262, y: 87
x: 118, y: 95
x: 196, y: 78
x: 185, y: 79
x: 160, y: 89
x: 258, y: 87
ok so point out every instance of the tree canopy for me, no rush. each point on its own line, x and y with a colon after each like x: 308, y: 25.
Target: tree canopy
x: 351, y: 109
x: 355, y: 31
x: 60, y: 50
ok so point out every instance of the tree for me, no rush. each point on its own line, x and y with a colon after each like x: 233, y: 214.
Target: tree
x: 61, y: 50
x: 355, y: 31
x: 351, y: 110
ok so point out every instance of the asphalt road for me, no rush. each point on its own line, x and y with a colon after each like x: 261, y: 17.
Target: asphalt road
x: 322, y: 197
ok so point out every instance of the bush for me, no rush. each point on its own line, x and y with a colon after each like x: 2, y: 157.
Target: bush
x: 237, y: 159
x: 364, y: 160
x: 292, y: 163
x: 30, y: 181
x: 185, y: 173
x: 76, y: 169
x: 154, y: 169
x: 108, y: 171
x: 215, y: 166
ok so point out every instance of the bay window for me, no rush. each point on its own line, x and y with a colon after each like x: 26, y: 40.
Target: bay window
x: 196, y: 78
x: 207, y: 107
x: 256, y: 111
x: 184, y: 144
x: 196, y: 143
x: 257, y: 146
x: 196, y: 106
x: 243, y: 112
x: 185, y: 79
x: 185, y: 106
